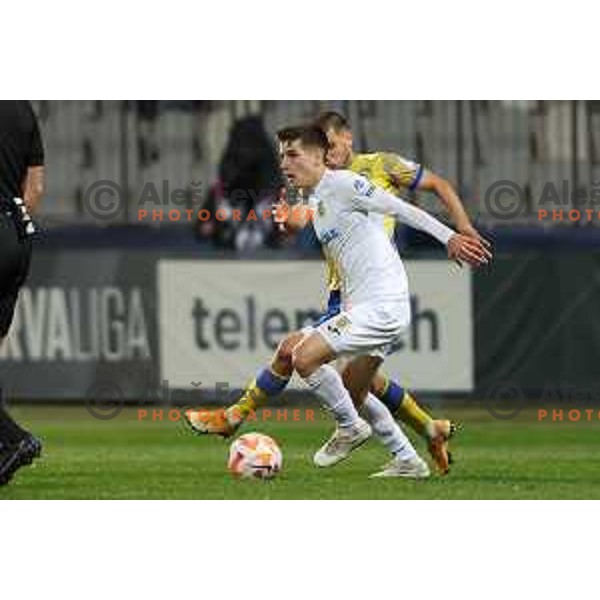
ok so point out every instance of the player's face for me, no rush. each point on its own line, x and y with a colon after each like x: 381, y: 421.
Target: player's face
x: 303, y: 167
x: 339, y: 155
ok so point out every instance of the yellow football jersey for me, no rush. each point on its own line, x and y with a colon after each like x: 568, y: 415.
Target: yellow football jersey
x: 385, y: 170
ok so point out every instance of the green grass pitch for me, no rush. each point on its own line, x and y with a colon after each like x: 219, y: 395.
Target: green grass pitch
x: 128, y: 459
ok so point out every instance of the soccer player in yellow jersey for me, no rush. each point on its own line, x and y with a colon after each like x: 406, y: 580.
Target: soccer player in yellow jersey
x: 394, y: 174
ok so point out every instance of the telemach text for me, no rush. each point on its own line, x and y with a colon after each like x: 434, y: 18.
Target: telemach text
x: 252, y: 325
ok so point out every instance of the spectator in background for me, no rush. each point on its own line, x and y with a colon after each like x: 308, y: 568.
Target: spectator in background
x: 249, y: 178
x: 147, y: 112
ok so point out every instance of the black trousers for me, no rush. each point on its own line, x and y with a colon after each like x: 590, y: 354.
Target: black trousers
x: 15, y: 256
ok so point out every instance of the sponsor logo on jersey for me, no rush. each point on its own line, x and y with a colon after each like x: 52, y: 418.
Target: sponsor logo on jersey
x: 364, y: 187
x: 329, y: 235
x: 360, y: 185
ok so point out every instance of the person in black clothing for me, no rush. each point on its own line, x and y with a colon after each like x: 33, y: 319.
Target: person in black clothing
x: 21, y: 188
x: 249, y: 178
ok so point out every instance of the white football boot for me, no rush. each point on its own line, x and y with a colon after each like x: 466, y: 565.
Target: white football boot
x: 412, y: 468
x: 342, y: 443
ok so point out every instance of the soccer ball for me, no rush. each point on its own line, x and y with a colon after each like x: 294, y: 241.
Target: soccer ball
x: 254, y: 455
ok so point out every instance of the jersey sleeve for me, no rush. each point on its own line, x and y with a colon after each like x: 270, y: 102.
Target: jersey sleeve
x: 403, y: 172
x: 369, y: 198
x: 36, y: 147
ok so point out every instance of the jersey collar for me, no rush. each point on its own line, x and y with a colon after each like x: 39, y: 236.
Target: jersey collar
x: 326, y: 175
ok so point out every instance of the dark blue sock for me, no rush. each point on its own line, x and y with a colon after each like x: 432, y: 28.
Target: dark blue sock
x: 270, y: 383
x: 392, y: 396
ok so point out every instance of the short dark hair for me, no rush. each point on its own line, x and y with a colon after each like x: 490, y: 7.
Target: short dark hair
x: 332, y: 120
x: 310, y: 136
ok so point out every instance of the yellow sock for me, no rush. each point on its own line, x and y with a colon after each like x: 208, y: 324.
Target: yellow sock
x: 249, y: 400
x: 413, y: 415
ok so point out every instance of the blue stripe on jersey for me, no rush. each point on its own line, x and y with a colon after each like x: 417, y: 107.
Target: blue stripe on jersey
x: 334, y: 307
x: 418, y: 176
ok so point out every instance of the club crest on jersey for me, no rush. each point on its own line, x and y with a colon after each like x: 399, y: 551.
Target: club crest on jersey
x: 339, y: 325
x: 321, y: 208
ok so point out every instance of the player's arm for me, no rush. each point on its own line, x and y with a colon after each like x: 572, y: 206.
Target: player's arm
x: 35, y: 179
x: 430, y: 182
x: 33, y: 187
x: 369, y: 198
x: 411, y: 176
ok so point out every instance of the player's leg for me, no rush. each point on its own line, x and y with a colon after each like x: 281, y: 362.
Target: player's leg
x: 269, y: 382
x: 405, y: 461
x: 357, y: 378
x: 310, y: 360
x: 17, y: 446
x: 10, y: 432
x: 403, y: 406
x: 366, y: 331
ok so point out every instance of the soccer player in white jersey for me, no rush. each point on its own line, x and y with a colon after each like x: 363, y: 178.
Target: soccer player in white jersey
x: 374, y: 290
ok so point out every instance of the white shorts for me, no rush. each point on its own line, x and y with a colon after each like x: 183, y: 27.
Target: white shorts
x: 368, y: 329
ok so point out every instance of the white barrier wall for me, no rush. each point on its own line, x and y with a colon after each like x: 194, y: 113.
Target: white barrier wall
x: 219, y: 321
x: 133, y: 320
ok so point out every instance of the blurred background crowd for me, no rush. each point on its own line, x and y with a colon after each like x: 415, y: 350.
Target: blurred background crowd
x: 209, y: 148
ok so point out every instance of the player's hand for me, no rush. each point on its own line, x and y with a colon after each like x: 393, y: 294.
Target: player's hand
x: 471, y: 232
x: 280, y: 209
x: 290, y: 217
x: 473, y: 251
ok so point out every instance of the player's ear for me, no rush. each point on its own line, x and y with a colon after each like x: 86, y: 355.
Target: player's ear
x: 348, y: 137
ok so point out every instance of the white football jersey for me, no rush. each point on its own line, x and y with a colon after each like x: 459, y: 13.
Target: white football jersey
x: 370, y: 267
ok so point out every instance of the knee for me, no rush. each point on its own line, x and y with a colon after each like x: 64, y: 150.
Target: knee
x: 302, y: 363
x: 378, y: 385
x: 285, y: 350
